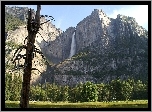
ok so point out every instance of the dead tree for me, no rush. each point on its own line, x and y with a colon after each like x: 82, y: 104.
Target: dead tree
x: 33, y: 26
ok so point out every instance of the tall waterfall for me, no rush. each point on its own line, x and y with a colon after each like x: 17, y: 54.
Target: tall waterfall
x: 73, y: 46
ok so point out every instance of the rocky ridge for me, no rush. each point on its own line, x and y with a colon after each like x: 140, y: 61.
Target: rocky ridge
x: 106, y: 49
x: 19, y: 12
x: 14, y: 38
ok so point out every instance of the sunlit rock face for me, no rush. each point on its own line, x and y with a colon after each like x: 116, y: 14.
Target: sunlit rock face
x: 106, y: 49
x: 98, y: 49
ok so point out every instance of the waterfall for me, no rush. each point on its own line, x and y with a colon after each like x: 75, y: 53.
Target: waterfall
x: 73, y: 46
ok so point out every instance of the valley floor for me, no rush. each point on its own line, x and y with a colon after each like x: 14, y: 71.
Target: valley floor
x: 114, y: 104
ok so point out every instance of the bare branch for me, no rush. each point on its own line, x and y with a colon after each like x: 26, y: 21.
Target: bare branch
x: 18, y: 57
x: 41, y: 28
x: 36, y: 49
x: 45, y: 22
x: 20, y: 48
x: 18, y: 67
x: 36, y: 69
x: 25, y: 39
x: 40, y: 54
x: 42, y: 38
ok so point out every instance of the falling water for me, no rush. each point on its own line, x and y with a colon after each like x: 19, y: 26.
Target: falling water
x: 73, y: 46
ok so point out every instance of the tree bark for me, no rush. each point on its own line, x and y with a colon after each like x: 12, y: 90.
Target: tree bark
x: 24, y: 102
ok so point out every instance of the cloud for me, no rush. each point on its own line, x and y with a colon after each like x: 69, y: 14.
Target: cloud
x: 139, y: 12
x: 58, y: 23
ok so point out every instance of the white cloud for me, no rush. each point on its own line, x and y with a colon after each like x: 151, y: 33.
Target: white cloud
x: 59, y: 22
x: 139, y: 12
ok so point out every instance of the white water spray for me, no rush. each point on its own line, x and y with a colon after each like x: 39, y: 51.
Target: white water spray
x: 73, y: 46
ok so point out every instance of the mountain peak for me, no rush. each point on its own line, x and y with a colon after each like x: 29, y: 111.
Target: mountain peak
x: 118, y: 44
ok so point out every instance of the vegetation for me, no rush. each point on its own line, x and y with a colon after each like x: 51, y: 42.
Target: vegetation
x: 116, y: 90
x: 89, y: 92
x: 12, y: 87
x: 11, y: 22
x: 71, y: 72
x: 12, y: 45
x: 120, y: 104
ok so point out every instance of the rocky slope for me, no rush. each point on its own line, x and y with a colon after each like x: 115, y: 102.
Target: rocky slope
x: 105, y: 49
x: 19, y: 12
x: 15, y: 38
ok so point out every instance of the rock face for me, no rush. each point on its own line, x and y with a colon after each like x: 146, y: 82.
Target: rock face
x: 17, y: 37
x: 105, y: 49
x: 59, y: 49
x: 20, y: 12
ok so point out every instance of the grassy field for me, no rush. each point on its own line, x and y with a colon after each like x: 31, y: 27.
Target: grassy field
x: 119, y: 104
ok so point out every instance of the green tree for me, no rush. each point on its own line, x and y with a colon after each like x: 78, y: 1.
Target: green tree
x: 15, y: 87
x: 127, y: 90
x: 140, y: 91
x: 75, y: 93
x: 89, y: 92
x: 12, y: 22
x: 35, y: 92
x: 64, y: 93
x: 54, y: 93
x: 38, y: 93
x: 116, y: 89
x: 8, y: 79
x: 106, y: 95
x: 100, y: 88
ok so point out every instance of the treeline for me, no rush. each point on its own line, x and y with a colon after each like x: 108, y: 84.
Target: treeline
x: 11, y: 22
x: 116, y: 90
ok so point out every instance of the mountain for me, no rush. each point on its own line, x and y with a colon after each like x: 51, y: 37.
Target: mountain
x: 18, y: 12
x: 16, y: 38
x: 98, y: 49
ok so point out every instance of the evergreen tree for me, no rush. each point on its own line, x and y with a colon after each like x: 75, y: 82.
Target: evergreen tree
x: 101, y: 90
x: 127, y: 90
x: 64, y: 93
x: 8, y: 79
x: 89, y: 92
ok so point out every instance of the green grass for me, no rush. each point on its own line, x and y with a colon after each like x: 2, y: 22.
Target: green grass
x: 119, y: 104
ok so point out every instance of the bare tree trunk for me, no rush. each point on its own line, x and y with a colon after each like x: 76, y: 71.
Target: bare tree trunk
x: 32, y: 31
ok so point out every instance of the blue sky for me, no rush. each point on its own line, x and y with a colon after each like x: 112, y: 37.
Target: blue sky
x: 70, y: 15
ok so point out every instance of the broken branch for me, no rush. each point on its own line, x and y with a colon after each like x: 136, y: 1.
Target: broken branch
x: 36, y: 69
x: 20, y: 48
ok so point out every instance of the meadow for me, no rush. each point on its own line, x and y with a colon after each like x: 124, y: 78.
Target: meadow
x: 113, y: 104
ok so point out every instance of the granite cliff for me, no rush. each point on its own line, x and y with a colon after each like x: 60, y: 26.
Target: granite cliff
x: 98, y: 49
x: 16, y: 37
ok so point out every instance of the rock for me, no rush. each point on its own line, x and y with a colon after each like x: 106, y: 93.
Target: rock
x: 106, y: 49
